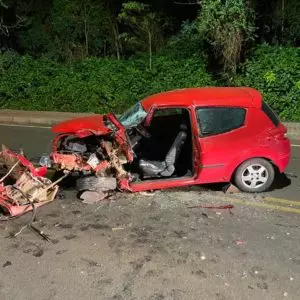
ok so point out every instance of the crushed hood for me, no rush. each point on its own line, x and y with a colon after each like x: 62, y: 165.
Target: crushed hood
x: 94, y: 123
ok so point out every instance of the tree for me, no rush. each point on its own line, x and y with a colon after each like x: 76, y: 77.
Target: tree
x: 285, y: 21
x: 226, y: 25
x: 7, y: 26
x: 82, y: 28
x: 145, y: 26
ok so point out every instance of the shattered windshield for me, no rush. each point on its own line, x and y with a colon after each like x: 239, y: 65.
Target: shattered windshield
x: 133, y: 116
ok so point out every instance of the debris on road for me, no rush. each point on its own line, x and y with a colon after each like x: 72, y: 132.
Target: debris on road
x: 23, y: 186
x: 6, y: 264
x: 147, y: 194
x: 229, y: 206
x: 117, y: 228
x: 291, y: 175
x: 95, y: 189
x: 92, y: 197
x: 240, y: 242
x: 202, y: 257
x: 230, y: 189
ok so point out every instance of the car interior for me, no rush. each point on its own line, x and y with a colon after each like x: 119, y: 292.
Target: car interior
x: 164, y: 148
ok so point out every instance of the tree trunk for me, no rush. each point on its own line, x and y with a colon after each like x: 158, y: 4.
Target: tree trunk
x: 117, y: 41
x: 282, y: 17
x: 86, y: 33
x: 150, y: 49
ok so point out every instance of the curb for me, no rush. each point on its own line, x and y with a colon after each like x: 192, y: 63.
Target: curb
x: 293, y: 129
x: 43, y: 118
x: 49, y: 118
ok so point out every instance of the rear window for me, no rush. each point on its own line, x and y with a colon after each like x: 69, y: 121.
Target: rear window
x: 270, y: 113
x: 217, y: 120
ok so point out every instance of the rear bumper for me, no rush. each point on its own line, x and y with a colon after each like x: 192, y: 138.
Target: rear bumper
x: 283, y: 162
x: 284, y: 154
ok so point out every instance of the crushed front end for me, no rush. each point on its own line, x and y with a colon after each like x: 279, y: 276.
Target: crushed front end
x: 84, y: 149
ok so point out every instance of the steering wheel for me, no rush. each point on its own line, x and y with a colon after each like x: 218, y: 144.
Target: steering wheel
x: 142, y: 131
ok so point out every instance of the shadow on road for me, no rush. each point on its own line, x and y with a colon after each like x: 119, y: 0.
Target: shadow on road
x: 281, y: 181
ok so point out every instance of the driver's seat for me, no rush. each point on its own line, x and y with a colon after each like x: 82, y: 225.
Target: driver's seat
x: 167, y: 167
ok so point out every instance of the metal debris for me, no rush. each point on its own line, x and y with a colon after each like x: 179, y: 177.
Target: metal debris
x: 23, y: 186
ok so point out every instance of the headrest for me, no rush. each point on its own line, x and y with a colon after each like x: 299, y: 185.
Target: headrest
x: 183, y: 127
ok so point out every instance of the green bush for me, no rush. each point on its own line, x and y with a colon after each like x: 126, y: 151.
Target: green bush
x: 93, y: 84
x: 275, y: 71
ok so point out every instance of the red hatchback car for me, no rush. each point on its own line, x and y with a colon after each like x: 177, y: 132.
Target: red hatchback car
x: 180, y: 138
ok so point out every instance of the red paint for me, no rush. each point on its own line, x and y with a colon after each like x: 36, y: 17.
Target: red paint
x: 71, y: 162
x: 94, y: 123
x: 42, y: 171
x: 240, y: 242
x: 215, y: 158
x: 245, y: 97
x: 13, y: 208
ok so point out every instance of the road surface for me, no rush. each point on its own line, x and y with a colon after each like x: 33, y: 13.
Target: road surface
x: 154, y: 247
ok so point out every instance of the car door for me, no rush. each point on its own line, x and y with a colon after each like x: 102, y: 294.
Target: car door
x: 157, y: 125
x: 222, y: 136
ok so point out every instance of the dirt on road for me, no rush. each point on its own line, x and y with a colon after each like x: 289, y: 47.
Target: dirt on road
x: 152, y: 247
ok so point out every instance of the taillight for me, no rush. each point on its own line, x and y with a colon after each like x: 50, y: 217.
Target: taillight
x: 280, y: 132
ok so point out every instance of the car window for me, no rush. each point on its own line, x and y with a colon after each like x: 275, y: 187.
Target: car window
x: 216, y: 120
x: 270, y: 113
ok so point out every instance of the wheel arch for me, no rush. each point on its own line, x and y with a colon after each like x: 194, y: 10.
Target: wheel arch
x: 235, y: 168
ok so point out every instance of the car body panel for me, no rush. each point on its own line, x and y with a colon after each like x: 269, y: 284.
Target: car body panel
x: 223, y: 153
x: 216, y: 157
x: 209, y: 96
x: 93, y: 123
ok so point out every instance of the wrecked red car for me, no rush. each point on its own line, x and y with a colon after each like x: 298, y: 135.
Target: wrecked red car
x: 178, y: 138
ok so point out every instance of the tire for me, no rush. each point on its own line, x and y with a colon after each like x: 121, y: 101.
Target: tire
x: 254, y: 175
x: 93, y: 183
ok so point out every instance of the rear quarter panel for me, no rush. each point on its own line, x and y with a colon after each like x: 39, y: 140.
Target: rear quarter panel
x: 222, y: 154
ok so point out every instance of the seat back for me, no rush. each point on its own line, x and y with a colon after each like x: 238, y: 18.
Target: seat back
x: 176, y: 147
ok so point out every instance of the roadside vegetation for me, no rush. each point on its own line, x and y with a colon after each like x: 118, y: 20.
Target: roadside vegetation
x: 97, y: 56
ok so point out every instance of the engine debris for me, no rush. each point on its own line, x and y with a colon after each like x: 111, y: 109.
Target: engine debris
x: 89, y: 155
x: 23, y: 187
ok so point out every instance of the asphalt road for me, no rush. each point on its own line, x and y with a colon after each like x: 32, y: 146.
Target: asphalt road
x: 36, y: 141
x: 154, y: 247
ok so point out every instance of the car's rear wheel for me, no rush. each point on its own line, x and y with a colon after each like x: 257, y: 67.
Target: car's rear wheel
x: 254, y: 175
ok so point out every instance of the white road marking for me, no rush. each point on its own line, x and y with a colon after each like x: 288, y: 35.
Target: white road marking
x: 26, y: 126
x: 295, y: 145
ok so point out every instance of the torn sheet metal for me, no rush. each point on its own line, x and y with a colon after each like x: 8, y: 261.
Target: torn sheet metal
x: 23, y: 185
x: 93, y: 154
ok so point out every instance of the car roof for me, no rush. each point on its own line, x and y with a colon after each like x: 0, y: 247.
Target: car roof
x: 206, y: 96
